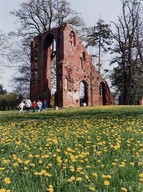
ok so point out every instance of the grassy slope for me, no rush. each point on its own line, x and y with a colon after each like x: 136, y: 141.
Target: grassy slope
x: 109, y: 138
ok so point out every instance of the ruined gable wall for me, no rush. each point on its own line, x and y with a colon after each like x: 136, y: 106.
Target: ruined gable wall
x: 77, y: 67
x: 74, y: 65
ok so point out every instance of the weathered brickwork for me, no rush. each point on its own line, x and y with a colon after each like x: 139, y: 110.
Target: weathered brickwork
x: 73, y: 66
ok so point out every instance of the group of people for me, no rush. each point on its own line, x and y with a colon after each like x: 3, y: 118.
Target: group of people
x: 39, y: 105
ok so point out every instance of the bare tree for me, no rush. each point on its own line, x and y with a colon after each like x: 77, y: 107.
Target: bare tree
x: 6, y: 45
x: 39, y: 16
x: 128, y: 49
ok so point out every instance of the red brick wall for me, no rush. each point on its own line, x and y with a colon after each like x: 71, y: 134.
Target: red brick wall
x: 73, y: 66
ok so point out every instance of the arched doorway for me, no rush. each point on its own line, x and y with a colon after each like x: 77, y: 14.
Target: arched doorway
x: 103, y: 93
x: 83, y: 93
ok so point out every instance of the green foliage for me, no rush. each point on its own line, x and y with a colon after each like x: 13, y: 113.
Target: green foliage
x: 9, y: 101
x: 83, y: 149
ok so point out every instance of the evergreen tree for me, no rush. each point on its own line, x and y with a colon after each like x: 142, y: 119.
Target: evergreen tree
x: 99, y: 36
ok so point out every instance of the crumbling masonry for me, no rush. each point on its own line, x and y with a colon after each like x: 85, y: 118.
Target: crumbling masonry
x: 77, y: 81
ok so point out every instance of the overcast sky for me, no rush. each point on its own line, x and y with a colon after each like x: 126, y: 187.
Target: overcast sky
x: 90, y: 11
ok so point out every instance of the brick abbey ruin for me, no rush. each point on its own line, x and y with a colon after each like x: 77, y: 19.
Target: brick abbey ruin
x: 76, y: 78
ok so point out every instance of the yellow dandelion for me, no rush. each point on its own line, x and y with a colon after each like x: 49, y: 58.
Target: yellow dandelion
x: 19, y: 160
x: 113, y: 163
x: 37, y: 155
x: 140, y: 163
x: 117, y: 146
x: 86, y: 176
x: 72, y: 169
x: 123, y: 164
x: 14, y: 156
x: 72, y: 178
x: 51, y: 189
x: 66, y: 160
x: 76, y: 156
x: 25, y: 168
x: 124, y: 189
x: 40, y: 161
x: 45, y: 156
x: 7, y: 180
x: 1, y: 168
x: 48, y: 175
x: 69, y: 149
x: 26, y: 162
x: 141, y: 179
x: 79, y: 179
x: 132, y: 164
x: 108, y: 176
x: 69, y: 180
x: 72, y: 157
x: 30, y: 156
x: 50, y: 186
x: 59, y: 159
x: 5, y: 161
x: 43, y: 171
x: 92, y: 188
x: 18, y: 142
x: 103, y: 176
x: 106, y: 182
x: 94, y: 174
x: 36, y: 173
x: 58, y: 150
x: 2, y: 190
x: 141, y: 175
x: 55, y: 141
x: 15, y: 164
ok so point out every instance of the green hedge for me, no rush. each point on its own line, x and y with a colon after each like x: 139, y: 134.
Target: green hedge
x: 9, y: 101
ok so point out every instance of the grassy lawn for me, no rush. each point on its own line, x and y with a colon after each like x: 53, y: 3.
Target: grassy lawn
x: 72, y: 150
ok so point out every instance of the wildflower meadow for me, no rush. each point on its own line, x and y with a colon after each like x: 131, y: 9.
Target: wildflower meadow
x: 72, y: 150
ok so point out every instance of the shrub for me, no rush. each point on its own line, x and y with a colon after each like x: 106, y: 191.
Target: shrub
x: 9, y: 101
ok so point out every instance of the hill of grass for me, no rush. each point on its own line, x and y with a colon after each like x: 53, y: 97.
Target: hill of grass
x: 72, y: 150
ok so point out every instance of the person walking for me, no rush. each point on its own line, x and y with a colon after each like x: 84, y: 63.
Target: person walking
x: 28, y: 104
x: 39, y: 105
x: 44, y: 105
x: 34, y: 105
x: 21, y: 106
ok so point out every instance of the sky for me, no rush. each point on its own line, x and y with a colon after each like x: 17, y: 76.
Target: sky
x: 89, y: 10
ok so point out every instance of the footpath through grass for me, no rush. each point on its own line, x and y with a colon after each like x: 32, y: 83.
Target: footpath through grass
x: 72, y: 150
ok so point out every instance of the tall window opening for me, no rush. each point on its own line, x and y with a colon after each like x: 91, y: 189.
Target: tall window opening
x: 53, y: 67
x: 102, y: 92
x: 72, y: 38
x: 50, y: 78
x: 83, y: 93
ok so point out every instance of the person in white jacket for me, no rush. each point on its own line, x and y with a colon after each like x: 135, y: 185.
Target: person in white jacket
x: 28, y: 104
x: 21, y: 106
